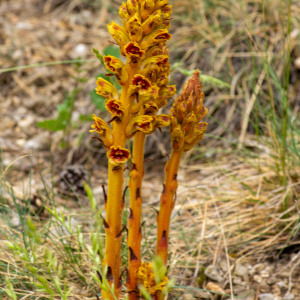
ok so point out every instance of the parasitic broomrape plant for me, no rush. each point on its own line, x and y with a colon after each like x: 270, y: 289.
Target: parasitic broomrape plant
x: 143, y: 77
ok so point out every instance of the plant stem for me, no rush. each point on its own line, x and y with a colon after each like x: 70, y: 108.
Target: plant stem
x: 134, y: 221
x: 167, y: 202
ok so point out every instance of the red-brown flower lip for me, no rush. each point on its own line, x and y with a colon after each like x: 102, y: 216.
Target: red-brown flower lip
x: 118, y: 155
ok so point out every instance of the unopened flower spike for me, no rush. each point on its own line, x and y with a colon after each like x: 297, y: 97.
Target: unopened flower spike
x: 186, y: 130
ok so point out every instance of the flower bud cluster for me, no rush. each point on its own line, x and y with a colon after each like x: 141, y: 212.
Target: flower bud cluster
x: 186, y: 115
x: 146, y: 277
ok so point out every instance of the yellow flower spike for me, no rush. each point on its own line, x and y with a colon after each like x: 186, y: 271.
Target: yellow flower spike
x: 186, y: 130
x: 156, y: 37
x: 106, y: 89
x: 133, y: 51
x: 115, y: 107
x: 134, y: 28
x: 147, y: 7
x: 119, y: 34
x: 103, y: 129
x: 118, y: 155
x: 152, y: 22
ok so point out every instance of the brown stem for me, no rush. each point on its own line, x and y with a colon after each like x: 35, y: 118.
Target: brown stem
x: 134, y: 220
x: 167, y: 201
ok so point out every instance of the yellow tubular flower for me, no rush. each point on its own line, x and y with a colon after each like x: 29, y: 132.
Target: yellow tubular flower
x: 143, y: 123
x: 147, y: 8
x: 103, y: 129
x: 134, y: 27
x: 115, y: 107
x: 133, y: 51
x: 116, y: 66
x: 157, y: 36
x: 118, y: 155
x: 152, y: 22
x: 119, y: 34
x: 132, y: 6
x: 123, y: 12
x: 106, y: 89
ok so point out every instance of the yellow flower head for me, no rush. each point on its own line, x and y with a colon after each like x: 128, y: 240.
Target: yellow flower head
x: 146, y: 277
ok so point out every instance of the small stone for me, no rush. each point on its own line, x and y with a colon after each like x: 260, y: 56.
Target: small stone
x: 223, y: 265
x: 297, y: 62
x: 15, y: 220
x: 237, y: 280
x: 259, y: 267
x: 281, y: 284
x: 80, y: 51
x: 257, y: 278
x: 266, y: 297
x: 212, y: 272
x: 247, y: 295
x: 39, y: 142
x: 288, y: 296
x: 26, y: 121
x: 198, y: 294
x: 187, y: 296
x: 242, y: 271
x: 214, y: 287
x: 264, y: 273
